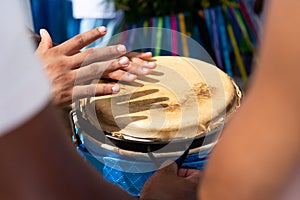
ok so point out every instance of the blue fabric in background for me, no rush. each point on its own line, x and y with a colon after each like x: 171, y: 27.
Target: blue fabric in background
x: 55, y: 16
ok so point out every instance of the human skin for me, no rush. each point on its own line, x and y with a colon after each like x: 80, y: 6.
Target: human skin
x: 258, y: 154
x: 71, y: 70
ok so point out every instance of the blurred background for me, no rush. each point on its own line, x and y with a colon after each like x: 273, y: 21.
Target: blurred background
x: 229, y: 30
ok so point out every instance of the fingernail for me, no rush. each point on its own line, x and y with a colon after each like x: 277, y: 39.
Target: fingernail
x: 145, y: 70
x: 131, y: 76
x: 124, y: 61
x: 102, y: 29
x: 115, y: 89
x: 42, y: 32
x: 148, y: 53
x: 151, y: 64
x: 121, y: 48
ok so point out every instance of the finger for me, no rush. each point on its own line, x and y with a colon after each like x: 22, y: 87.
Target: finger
x: 121, y: 75
x: 79, y: 41
x: 93, y: 90
x: 62, y: 98
x: 100, y: 69
x: 46, y: 41
x: 140, y: 67
x: 187, y: 172
x: 182, y: 172
x: 145, y: 55
x: 192, y: 175
x: 98, y: 54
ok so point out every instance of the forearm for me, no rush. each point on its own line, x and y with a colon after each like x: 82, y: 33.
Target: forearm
x: 258, y: 153
x: 38, y: 161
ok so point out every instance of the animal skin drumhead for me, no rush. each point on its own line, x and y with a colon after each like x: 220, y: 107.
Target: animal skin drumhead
x: 182, y: 98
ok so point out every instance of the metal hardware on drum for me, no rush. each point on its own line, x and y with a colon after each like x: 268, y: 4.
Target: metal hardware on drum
x: 75, y: 138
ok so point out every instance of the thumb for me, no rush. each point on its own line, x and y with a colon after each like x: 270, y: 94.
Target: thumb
x: 46, y: 41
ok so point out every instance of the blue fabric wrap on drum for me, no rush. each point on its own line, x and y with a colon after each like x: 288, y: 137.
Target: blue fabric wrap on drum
x: 125, y: 171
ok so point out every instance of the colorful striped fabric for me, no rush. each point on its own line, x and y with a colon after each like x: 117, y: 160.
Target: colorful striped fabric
x: 223, y: 31
x: 229, y: 33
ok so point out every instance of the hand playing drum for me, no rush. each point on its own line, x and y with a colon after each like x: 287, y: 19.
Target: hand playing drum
x: 171, y: 183
x: 70, y: 70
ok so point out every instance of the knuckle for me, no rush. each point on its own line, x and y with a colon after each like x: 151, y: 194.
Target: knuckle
x: 65, y: 94
x: 89, y: 55
x: 62, y: 97
x: 105, y: 89
x: 115, y: 65
x: 57, y: 64
x: 64, y: 81
x: 70, y: 78
x: 91, y: 51
x: 112, y: 76
x: 116, y: 75
x: 55, y: 51
x: 94, y: 69
x: 79, y: 39
x: 62, y: 63
x: 90, y: 91
x: 114, y: 50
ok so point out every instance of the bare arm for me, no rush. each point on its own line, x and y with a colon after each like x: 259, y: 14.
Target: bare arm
x: 258, y: 154
x: 38, y: 161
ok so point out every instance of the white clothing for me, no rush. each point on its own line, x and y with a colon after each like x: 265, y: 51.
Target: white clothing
x: 104, y: 9
x: 26, y: 8
x: 24, y: 87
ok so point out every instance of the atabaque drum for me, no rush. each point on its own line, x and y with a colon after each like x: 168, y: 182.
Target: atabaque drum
x: 175, y: 113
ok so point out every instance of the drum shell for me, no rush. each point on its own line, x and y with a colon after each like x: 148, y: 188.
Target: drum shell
x: 130, y: 170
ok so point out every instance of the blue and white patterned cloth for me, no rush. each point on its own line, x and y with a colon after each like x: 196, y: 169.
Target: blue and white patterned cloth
x: 129, y: 173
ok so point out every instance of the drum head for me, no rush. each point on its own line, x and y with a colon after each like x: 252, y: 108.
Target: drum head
x: 181, y: 99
